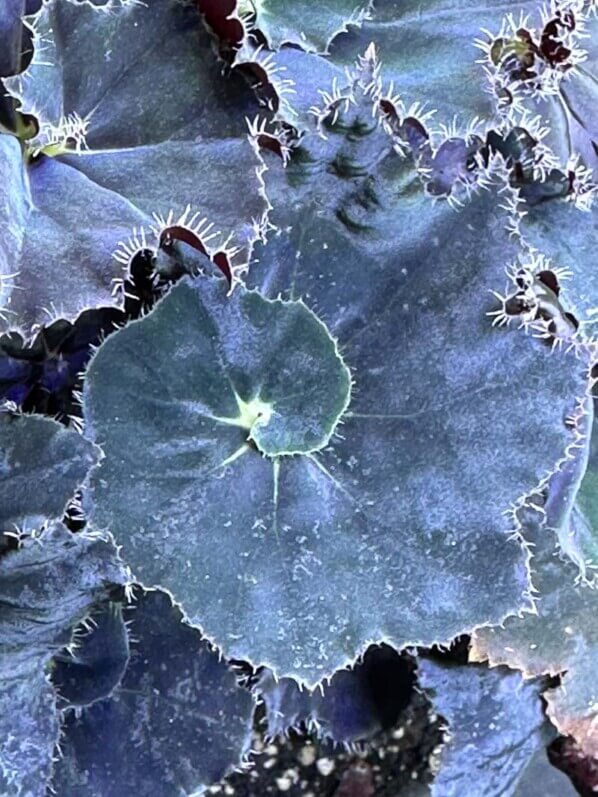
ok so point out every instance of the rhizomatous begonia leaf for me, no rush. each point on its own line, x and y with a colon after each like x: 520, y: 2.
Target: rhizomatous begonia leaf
x: 135, y: 119
x: 47, y: 585
x: 579, y: 91
x: 177, y: 722
x: 379, y: 528
x: 94, y: 662
x: 41, y: 465
x: 428, y: 52
x: 496, y: 733
x: 561, y: 636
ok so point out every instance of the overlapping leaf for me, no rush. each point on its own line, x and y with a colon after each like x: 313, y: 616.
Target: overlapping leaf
x: 41, y: 465
x: 565, y: 234
x: 355, y: 705
x: 14, y: 206
x: 302, y: 23
x: 497, y: 733
x: 177, y: 723
x: 562, y: 635
x: 158, y: 128
x: 545, y: 66
x: 580, y: 96
x: 428, y: 52
x: 298, y: 562
x: 46, y: 586
x: 11, y: 30
x: 42, y: 374
x: 95, y: 660
x: 585, y: 524
x: 66, y: 262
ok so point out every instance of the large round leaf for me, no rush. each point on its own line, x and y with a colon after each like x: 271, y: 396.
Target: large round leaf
x: 389, y: 532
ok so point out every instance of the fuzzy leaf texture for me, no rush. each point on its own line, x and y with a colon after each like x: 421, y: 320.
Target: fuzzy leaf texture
x: 14, y: 208
x: 95, y: 660
x: 545, y: 67
x: 585, y: 522
x: 41, y: 373
x: 47, y: 586
x: 566, y: 236
x: 143, y: 123
x: 177, y: 722
x: 428, y: 53
x: 355, y: 705
x: 274, y: 555
x: 11, y: 31
x: 302, y: 23
x: 497, y: 734
x: 561, y: 636
x: 41, y: 465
